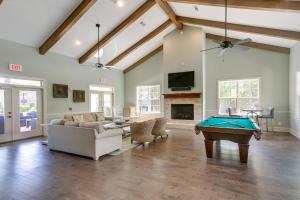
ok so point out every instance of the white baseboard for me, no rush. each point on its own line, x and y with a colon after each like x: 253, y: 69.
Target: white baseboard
x: 294, y: 133
x: 282, y: 129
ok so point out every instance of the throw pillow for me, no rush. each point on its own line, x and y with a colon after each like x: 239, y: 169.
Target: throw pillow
x: 78, y: 118
x: 89, y: 117
x: 100, y: 116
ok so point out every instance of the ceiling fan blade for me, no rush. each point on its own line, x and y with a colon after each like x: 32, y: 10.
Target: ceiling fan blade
x: 240, y: 47
x: 218, y: 42
x: 222, y: 52
x: 210, y: 49
x: 242, y: 41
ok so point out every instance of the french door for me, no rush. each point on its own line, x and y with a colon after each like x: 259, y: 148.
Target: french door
x: 20, y: 113
x: 102, y: 102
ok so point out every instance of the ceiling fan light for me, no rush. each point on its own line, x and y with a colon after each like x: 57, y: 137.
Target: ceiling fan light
x: 100, y: 53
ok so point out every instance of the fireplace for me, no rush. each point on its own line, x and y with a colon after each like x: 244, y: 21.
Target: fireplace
x: 182, y: 111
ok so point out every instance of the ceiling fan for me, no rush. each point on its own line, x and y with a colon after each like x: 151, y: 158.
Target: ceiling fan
x: 98, y: 64
x: 226, y: 44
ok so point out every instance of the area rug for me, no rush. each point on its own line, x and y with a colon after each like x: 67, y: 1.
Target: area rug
x: 126, y: 145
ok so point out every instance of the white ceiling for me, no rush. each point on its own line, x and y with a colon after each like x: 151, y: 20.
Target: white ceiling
x: 31, y: 22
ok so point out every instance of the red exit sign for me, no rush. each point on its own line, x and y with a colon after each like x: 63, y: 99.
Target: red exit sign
x: 15, y: 67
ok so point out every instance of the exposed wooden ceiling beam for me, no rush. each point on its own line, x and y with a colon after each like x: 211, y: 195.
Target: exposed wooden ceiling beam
x: 84, y: 6
x: 248, y: 4
x: 127, y: 22
x: 293, y: 35
x: 140, y: 42
x: 142, y: 60
x: 251, y: 44
x: 169, y: 11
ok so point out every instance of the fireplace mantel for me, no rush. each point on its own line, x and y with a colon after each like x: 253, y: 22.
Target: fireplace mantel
x: 181, y: 95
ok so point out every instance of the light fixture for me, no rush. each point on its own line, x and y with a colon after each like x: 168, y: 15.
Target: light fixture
x: 77, y: 42
x: 196, y: 8
x: 120, y: 3
x: 100, y: 53
x: 142, y: 23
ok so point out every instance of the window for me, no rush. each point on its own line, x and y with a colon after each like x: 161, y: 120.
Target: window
x: 239, y: 95
x: 23, y: 82
x: 148, y: 99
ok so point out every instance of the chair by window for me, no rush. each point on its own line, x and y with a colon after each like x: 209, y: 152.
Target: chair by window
x: 229, y: 111
x: 267, y: 117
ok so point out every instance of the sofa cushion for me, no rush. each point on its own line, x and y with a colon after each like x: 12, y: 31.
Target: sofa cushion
x: 78, y: 118
x: 100, y: 116
x: 89, y: 117
x: 68, y: 117
x: 57, y: 122
x: 95, y: 125
x: 71, y: 123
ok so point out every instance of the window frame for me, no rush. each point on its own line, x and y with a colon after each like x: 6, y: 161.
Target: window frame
x: 237, y: 79
x: 137, y: 99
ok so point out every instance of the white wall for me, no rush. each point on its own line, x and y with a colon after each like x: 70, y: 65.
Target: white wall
x: 62, y: 70
x: 295, y: 90
x: 271, y: 67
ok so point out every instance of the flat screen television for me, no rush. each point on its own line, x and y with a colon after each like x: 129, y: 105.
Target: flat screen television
x: 181, y: 80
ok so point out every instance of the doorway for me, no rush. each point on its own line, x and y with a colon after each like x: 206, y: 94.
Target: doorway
x: 102, y: 100
x: 20, y: 113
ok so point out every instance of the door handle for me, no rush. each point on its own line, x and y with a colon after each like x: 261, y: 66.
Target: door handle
x: 9, y: 116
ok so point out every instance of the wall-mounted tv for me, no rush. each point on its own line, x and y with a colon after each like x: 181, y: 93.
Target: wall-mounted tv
x: 181, y: 80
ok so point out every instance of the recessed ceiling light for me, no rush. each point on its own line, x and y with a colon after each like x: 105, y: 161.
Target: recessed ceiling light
x: 77, y: 42
x: 120, y: 3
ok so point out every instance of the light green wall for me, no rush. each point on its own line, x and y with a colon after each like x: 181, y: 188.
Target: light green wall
x: 59, y: 69
x: 271, y: 67
x: 295, y: 90
x: 148, y: 73
x: 180, y: 53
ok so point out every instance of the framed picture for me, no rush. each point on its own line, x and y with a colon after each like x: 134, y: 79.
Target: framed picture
x: 60, y: 91
x: 78, y: 96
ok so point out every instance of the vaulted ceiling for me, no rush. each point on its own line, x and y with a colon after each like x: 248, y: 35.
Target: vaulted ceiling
x: 133, y: 30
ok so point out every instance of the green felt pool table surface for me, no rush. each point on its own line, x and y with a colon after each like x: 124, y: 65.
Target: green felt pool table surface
x: 228, y: 122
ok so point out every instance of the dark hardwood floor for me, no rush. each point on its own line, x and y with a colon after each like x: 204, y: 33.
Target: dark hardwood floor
x: 168, y: 170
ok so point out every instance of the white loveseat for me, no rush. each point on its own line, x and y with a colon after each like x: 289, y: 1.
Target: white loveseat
x: 83, y: 141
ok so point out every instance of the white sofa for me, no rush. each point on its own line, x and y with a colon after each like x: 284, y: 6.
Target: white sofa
x: 84, y: 141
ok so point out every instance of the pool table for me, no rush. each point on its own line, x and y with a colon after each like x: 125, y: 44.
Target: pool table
x: 235, y: 129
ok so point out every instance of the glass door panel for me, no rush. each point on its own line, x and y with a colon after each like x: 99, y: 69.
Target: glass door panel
x: 107, y: 101
x: 95, y: 102
x: 5, y: 115
x: 27, y: 112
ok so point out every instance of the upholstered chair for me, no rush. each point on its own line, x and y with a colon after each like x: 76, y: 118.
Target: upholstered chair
x: 159, y: 129
x: 142, y: 131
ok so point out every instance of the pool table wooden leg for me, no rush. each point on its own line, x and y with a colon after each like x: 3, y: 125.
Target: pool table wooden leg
x: 243, y: 148
x: 209, y: 148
